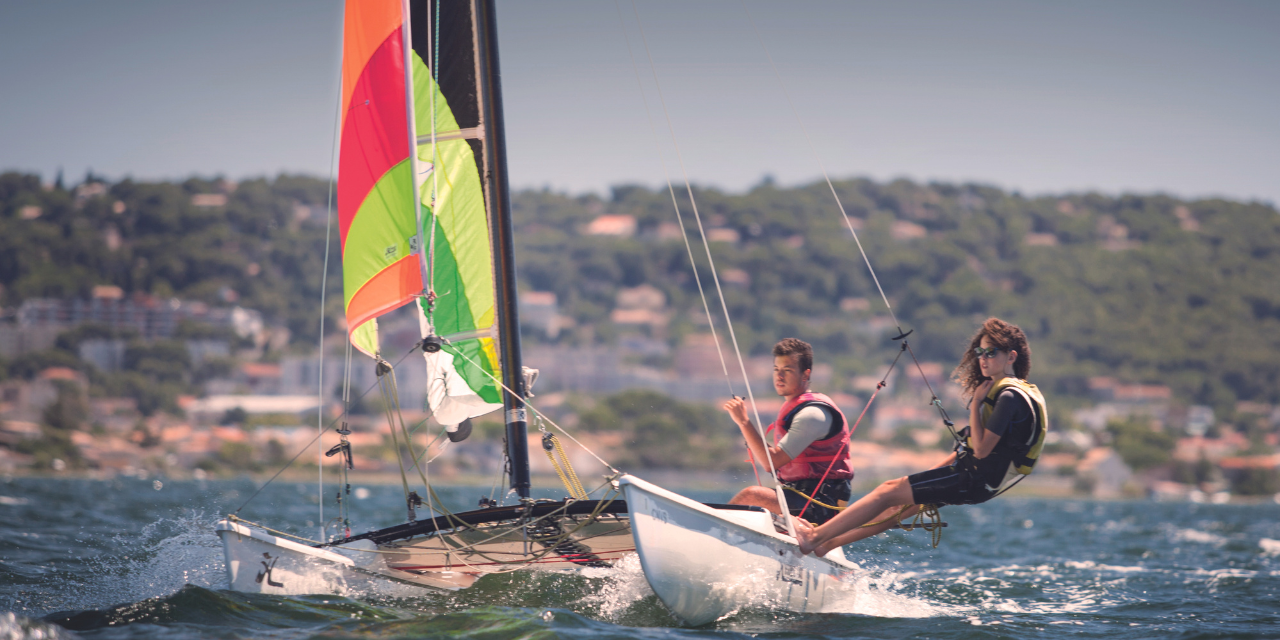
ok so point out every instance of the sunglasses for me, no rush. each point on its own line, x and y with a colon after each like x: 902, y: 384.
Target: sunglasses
x: 987, y: 352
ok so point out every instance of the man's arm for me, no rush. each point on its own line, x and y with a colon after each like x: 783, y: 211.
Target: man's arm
x: 737, y: 409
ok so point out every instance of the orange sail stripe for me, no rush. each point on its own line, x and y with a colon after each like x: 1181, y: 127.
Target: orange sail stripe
x: 394, y: 286
x: 367, y: 25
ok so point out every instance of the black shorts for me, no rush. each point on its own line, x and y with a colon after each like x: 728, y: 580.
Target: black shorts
x: 831, y: 492
x: 948, y: 485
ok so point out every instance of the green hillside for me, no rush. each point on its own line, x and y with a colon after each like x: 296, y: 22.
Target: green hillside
x: 1146, y: 288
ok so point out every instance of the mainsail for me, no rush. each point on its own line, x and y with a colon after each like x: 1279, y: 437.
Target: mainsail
x: 411, y: 202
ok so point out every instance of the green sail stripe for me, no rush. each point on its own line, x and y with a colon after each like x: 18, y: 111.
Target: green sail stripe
x: 482, y: 353
x: 452, y: 318
x: 423, y: 85
x: 460, y: 203
x: 462, y: 265
x: 380, y: 232
x: 462, y: 225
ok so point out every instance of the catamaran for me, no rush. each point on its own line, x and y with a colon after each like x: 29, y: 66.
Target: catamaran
x: 424, y: 219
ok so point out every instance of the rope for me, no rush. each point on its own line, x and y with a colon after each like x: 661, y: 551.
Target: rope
x: 711, y: 263
x: 563, y: 467
x: 435, y: 159
x: 386, y: 408
x: 594, y: 515
x: 934, y: 526
x: 394, y: 416
x: 537, y: 413
x: 942, y: 413
x: 324, y: 286
x: 813, y: 150
x: 832, y: 464
x: 318, y: 435
x: 848, y: 222
x: 666, y: 175
x: 549, y: 545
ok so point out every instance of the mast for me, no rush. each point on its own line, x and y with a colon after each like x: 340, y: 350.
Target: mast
x: 499, y: 201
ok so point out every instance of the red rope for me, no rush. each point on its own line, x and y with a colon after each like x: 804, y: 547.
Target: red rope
x: 835, y: 458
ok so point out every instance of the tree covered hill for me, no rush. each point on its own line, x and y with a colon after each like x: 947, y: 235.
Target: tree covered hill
x: 1147, y: 288
x: 1144, y: 288
x: 261, y: 247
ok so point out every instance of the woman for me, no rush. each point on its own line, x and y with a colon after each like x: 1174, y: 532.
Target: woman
x: 1008, y: 422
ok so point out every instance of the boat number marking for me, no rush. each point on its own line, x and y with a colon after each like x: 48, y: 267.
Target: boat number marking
x: 267, y: 566
x: 794, y: 575
x: 659, y: 514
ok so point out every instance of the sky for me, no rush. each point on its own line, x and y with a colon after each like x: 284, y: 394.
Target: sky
x: 1043, y: 97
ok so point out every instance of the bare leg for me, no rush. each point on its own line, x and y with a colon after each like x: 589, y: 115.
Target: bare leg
x: 758, y: 497
x: 888, y: 519
x: 882, y: 498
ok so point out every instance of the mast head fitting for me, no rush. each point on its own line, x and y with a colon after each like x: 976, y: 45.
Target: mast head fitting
x: 432, y: 343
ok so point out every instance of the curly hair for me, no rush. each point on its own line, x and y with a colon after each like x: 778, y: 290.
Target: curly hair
x: 795, y: 347
x: 1006, y: 337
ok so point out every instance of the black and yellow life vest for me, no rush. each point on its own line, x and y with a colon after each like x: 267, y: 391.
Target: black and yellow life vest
x: 1025, y: 453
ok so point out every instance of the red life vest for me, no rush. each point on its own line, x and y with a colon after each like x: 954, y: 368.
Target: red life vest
x: 813, y: 462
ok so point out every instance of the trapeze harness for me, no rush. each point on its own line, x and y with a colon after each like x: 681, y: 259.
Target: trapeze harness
x: 827, y: 457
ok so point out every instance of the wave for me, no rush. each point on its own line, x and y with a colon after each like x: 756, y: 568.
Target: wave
x: 16, y: 627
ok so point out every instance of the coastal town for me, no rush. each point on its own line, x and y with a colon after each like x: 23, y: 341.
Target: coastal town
x: 263, y: 406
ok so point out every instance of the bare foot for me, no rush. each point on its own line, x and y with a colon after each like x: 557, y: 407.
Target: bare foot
x: 806, y: 537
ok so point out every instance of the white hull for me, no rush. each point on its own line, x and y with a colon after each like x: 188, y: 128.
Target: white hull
x: 258, y: 562
x: 448, y: 552
x: 705, y: 563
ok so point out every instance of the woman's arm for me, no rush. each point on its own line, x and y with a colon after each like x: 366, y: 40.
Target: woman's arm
x: 1010, y: 413
x: 982, y: 441
x: 984, y: 444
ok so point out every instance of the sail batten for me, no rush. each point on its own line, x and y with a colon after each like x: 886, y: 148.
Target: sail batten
x: 472, y: 133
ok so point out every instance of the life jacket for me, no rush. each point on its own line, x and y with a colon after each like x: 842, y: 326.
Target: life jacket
x: 830, y: 452
x: 1025, y: 453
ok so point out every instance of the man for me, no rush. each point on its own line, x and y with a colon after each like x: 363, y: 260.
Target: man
x: 810, y: 453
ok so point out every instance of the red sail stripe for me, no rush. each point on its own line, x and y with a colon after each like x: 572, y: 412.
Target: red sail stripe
x: 375, y: 133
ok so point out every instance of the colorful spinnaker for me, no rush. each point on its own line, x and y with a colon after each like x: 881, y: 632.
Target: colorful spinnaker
x: 411, y: 204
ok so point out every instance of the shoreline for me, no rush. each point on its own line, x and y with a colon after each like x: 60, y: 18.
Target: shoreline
x: 727, y: 482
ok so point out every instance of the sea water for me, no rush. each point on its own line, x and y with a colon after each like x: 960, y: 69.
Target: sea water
x: 130, y: 559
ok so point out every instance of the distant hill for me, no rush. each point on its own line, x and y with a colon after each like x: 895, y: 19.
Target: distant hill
x: 1147, y: 288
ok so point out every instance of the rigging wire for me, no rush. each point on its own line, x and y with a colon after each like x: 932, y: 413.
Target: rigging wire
x: 666, y: 175
x: 812, y: 149
x: 528, y: 404
x: 434, y: 74
x: 435, y: 162
x: 942, y: 412
x: 711, y: 261
x: 343, y: 415
x: 324, y: 286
